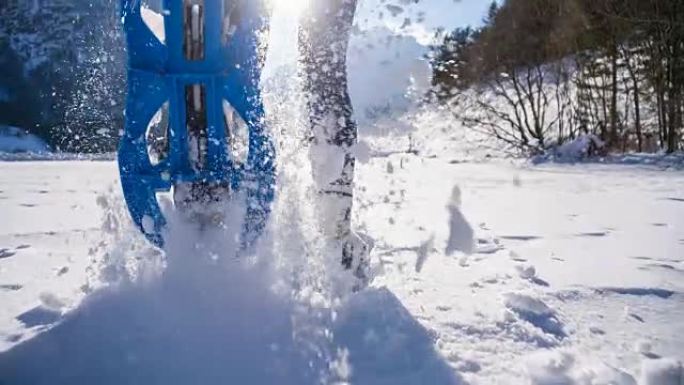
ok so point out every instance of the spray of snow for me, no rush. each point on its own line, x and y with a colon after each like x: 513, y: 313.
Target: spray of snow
x: 199, y: 311
x: 388, y: 73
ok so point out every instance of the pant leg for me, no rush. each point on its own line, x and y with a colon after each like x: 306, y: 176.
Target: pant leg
x: 323, y: 41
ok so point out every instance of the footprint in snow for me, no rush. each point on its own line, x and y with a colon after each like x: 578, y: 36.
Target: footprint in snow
x: 536, y: 312
x: 516, y: 257
x: 6, y: 253
x: 645, y: 348
x: 638, y: 291
x: 14, y: 338
x: 660, y: 266
x: 526, y: 271
x: 488, y: 246
x: 39, y: 316
x: 595, y: 234
x: 521, y: 238
x: 529, y: 273
x: 11, y: 287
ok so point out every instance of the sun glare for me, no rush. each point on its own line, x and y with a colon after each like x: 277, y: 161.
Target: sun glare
x: 291, y: 7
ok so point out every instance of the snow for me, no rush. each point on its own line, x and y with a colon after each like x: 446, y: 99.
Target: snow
x: 583, y: 147
x: 560, y: 367
x: 16, y: 140
x: 428, y: 317
x: 662, y: 372
x: 524, y: 304
x: 526, y: 271
x: 155, y: 22
x: 387, y: 73
x: 208, y: 318
x: 148, y: 224
x: 460, y: 231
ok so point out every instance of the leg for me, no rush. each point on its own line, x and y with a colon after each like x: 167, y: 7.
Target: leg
x: 323, y: 40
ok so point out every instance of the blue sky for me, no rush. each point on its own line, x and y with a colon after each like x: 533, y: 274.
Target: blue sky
x: 448, y: 14
x: 437, y: 13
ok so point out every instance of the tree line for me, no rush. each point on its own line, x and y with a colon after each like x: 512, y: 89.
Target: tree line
x: 539, y: 73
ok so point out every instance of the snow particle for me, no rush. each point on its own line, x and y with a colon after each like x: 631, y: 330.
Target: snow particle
x: 148, y: 224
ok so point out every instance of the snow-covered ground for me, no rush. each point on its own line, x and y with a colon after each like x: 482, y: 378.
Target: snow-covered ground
x: 583, y: 259
x: 576, y: 277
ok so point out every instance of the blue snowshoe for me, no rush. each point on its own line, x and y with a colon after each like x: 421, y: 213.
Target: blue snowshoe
x: 194, y: 115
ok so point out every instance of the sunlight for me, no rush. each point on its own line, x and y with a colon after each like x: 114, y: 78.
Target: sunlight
x: 282, y: 45
x: 291, y: 7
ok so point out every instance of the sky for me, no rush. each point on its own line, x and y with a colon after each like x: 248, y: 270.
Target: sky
x: 425, y: 16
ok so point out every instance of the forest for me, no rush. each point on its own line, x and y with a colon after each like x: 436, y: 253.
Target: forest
x: 540, y: 73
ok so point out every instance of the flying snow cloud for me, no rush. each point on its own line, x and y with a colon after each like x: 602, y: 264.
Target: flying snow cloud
x: 388, y: 73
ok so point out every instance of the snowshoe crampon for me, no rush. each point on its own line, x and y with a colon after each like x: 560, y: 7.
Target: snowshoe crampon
x: 194, y: 114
